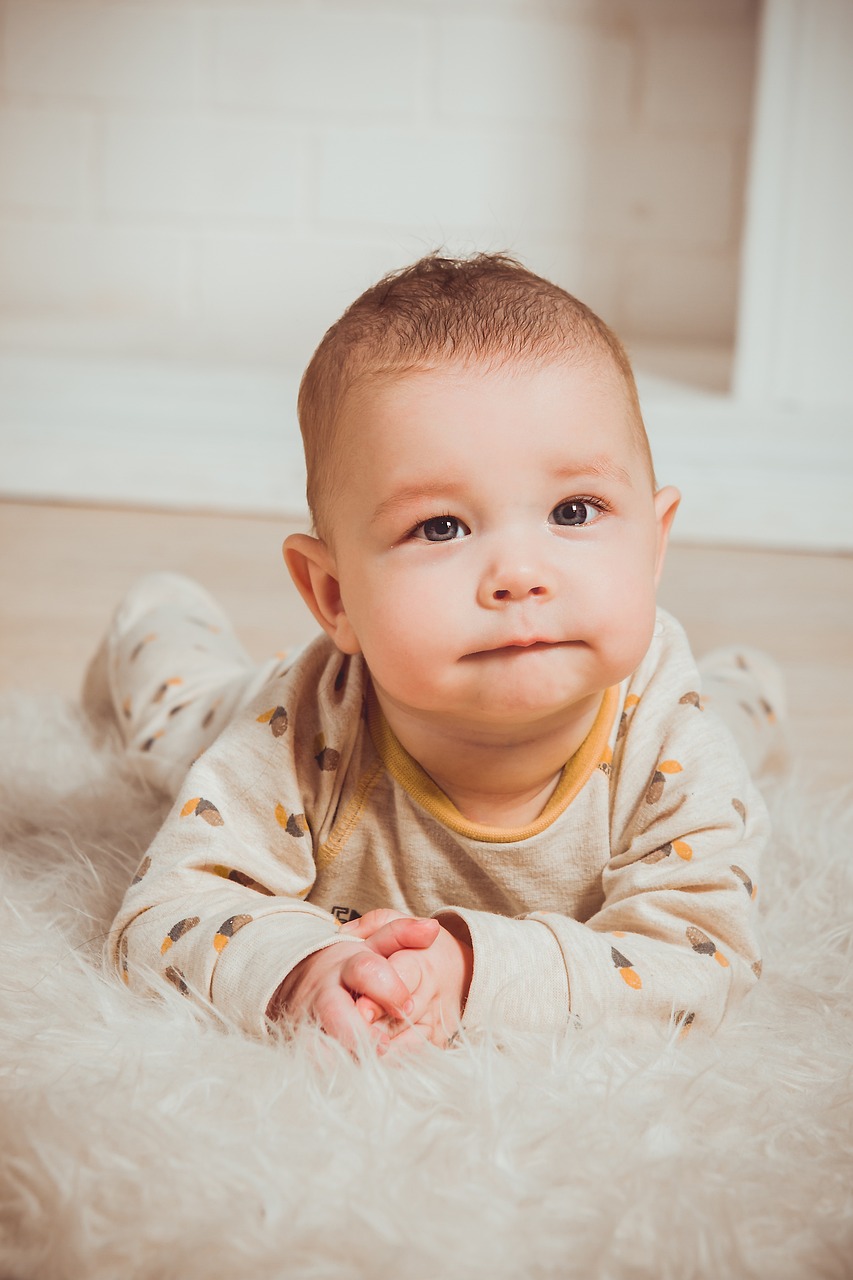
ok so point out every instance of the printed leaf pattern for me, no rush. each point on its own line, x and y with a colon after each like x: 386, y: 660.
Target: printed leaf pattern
x: 228, y: 928
x: 705, y: 946
x: 656, y: 786
x: 327, y: 758
x: 295, y: 824
x: 240, y: 877
x: 276, y: 718
x: 203, y: 809
x: 177, y: 931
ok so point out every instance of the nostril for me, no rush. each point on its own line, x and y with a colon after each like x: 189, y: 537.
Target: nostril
x: 501, y: 595
x: 537, y: 591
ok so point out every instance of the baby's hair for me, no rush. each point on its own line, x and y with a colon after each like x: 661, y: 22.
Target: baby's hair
x: 487, y: 310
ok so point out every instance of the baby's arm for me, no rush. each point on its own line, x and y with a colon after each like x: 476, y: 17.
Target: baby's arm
x: 674, y: 937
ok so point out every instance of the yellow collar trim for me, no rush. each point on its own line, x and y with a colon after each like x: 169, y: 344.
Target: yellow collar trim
x: 405, y: 770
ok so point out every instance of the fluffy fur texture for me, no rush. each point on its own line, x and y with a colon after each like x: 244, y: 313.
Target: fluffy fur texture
x: 138, y: 1141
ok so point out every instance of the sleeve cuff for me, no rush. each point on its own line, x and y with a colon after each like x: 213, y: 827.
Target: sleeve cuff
x: 259, y: 958
x: 519, y: 978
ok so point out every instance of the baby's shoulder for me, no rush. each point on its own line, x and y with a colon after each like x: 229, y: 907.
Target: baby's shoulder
x: 668, y: 665
x: 664, y: 715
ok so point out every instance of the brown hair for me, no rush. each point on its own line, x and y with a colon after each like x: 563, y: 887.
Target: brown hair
x: 487, y: 309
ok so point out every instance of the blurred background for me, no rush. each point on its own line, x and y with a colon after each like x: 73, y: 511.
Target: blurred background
x: 192, y: 190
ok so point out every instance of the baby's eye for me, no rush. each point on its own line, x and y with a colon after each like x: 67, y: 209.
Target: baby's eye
x: 576, y: 511
x: 441, y: 529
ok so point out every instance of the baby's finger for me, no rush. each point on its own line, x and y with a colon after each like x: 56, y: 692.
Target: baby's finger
x: 404, y: 934
x: 336, y: 1013
x: 411, y: 1039
x: 369, y: 1009
x: 367, y: 974
x: 366, y: 925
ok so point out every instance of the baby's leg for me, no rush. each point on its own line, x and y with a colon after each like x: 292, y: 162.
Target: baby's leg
x: 170, y: 674
x: 746, y: 689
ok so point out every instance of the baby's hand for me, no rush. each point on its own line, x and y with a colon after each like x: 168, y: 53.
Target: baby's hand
x: 438, y: 976
x: 326, y: 985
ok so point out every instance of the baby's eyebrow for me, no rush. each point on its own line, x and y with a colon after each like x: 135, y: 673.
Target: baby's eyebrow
x: 600, y: 465
x: 422, y: 491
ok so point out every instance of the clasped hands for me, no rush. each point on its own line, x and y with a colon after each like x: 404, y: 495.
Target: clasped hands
x: 405, y: 986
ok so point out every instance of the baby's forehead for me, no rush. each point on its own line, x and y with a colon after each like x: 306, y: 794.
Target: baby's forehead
x: 381, y: 408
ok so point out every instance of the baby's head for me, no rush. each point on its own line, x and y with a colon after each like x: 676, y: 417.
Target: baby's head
x: 488, y: 531
x: 486, y: 311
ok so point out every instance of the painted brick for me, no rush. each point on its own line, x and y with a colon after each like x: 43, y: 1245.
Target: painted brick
x: 546, y: 71
x: 512, y: 183
x: 100, y: 270
x: 677, y: 10
x: 676, y: 294
x: 210, y: 169
x: 265, y: 297
x: 668, y: 190
x: 141, y: 52
x: 45, y: 159
x: 309, y: 62
x: 698, y: 77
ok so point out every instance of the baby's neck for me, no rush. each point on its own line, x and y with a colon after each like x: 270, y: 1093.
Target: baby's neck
x: 495, y: 778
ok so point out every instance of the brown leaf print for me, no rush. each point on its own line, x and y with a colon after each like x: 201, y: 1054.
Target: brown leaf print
x: 177, y: 931
x: 141, y: 870
x: 626, y: 969
x: 740, y: 809
x: 691, y: 699
x: 142, y: 643
x: 295, y: 824
x: 631, y: 702
x: 757, y: 968
x: 327, y: 758
x: 240, y: 877
x: 228, y: 928
x: 276, y: 718
x: 208, y: 719
x: 165, y: 687
x: 177, y: 979
x: 657, y: 855
x: 658, y: 782
x: 203, y: 809
x: 745, y: 880
x: 704, y: 946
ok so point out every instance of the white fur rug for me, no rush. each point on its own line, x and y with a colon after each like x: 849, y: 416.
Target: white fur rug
x: 136, y: 1141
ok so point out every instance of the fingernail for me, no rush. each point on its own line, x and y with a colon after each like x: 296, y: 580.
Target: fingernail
x: 369, y: 1015
x: 408, y: 1007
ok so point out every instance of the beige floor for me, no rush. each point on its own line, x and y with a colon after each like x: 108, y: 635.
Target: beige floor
x: 63, y: 568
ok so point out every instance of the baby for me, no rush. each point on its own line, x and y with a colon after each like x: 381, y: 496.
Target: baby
x: 490, y: 793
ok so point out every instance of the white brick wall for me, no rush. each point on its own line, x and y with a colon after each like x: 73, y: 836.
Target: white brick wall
x: 218, y: 178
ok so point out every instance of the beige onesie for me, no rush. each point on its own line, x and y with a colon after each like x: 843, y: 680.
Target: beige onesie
x: 632, y: 895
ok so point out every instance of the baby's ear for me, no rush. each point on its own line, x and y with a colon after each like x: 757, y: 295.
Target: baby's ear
x: 312, y: 568
x: 666, y: 505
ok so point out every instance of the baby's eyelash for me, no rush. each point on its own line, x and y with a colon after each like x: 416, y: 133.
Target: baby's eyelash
x: 433, y: 515
x: 600, y: 504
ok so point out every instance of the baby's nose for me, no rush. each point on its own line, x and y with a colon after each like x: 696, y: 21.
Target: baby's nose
x: 518, y: 592
x: 508, y: 583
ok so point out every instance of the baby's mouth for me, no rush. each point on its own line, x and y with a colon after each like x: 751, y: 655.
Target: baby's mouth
x: 518, y: 647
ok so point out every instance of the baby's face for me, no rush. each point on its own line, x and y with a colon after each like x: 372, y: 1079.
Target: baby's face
x: 497, y: 541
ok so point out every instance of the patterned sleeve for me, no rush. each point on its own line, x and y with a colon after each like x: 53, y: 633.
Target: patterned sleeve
x: 217, y: 907
x: 675, y: 936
